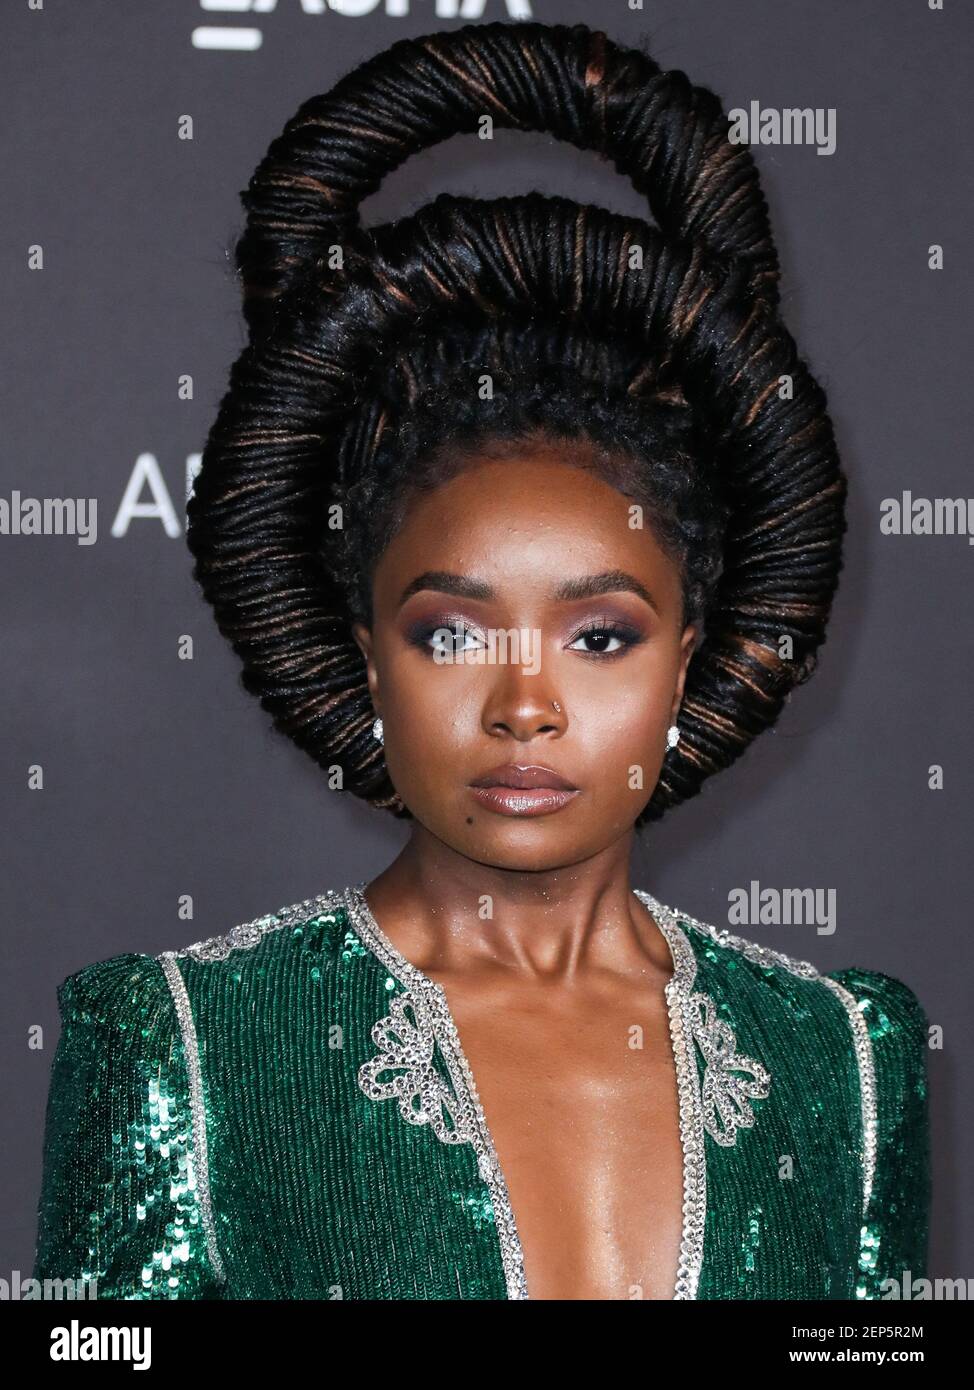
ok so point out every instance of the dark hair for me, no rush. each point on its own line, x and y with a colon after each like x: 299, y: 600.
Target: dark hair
x: 545, y: 383
x: 660, y: 346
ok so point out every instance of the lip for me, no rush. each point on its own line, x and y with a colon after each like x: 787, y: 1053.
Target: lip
x: 515, y: 789
x: 523, y: 801
x: 525, y: 777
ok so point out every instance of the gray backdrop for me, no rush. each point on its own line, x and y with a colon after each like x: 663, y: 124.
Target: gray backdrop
x: 161, y: 777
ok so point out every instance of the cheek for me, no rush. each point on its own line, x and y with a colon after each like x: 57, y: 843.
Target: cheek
x: 433, y: 714
x: 621, y: 711
x: 616, y: 733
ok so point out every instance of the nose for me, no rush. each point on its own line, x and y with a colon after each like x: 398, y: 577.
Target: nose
x: 523, y: 706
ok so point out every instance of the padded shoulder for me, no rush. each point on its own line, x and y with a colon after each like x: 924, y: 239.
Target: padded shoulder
x: 116, y: 992
x: 888, y: 1005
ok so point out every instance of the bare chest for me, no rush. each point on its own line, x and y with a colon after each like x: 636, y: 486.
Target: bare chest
x: 582, y: 1106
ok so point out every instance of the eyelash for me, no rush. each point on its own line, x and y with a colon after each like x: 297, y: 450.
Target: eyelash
x: 608, y: 628
x: 420, y: 637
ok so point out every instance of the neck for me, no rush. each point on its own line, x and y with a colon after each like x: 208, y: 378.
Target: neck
x: 451, y: 915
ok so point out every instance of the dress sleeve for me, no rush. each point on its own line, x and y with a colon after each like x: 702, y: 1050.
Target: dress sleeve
x: 119, y: 1206
x: 896, y: 1222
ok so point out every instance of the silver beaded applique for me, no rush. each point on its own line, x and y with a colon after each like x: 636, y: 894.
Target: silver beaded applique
x: 726, y: 1091
x: 412, y: 1049
x: 249, y: 933
x: 406, y: 1039
x: 752, y: 950
x: 693, y: 1019
x: 867, y: 1085
x: 184, y: 1013
x: 764, y: 955
x: 679, y: 999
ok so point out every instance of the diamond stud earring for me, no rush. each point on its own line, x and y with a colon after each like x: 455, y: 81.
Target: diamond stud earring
x: 377, y: 730
x: 672, y: 736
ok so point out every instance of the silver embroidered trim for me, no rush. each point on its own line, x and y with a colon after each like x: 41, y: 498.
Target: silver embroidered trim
x: 764, y: 955
x: 867, y: 1085
x: 726, y: 1092
x: 427, y: 1002
x: 247, y: 934
x: 406, y: 1045
x: 721, y: 1105
x: 177, y: 987
x: 761, y: 955
x: 679, y: 998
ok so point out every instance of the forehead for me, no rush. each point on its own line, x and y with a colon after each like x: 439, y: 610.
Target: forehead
x: 525, y: 516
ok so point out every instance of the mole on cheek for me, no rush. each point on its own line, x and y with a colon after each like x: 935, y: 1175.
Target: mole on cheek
x: 470, y: 820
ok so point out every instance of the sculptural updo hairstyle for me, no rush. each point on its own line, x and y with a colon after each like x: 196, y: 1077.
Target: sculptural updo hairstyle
x: 661, y: 345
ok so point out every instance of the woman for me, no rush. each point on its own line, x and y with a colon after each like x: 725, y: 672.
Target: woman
x: 524, y: 518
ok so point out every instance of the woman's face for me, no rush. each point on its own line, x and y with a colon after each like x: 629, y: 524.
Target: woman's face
x: 521, y: 619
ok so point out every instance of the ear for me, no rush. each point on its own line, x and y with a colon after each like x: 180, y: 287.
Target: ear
x: 688, y: 644
x: 363, y: 638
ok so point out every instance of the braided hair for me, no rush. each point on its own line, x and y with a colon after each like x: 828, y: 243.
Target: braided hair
x: 662, y: 345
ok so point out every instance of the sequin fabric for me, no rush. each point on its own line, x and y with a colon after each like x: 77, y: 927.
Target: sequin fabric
x: 120, y: 1212
x: 285, y: 1112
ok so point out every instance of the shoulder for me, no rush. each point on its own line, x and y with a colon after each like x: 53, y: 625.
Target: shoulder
x: 275, y: 930
x: 885, y: 1005
x: 114, y: 992
x: 722, y: 943
x: 892, y: 1045
x: 891, y: 1017
x: 115, y: 1014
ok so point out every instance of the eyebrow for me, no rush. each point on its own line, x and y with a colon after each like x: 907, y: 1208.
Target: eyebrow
x: 571, y: 590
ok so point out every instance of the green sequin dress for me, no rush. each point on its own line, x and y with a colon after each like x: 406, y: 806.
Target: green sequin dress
x: 286, y: 1112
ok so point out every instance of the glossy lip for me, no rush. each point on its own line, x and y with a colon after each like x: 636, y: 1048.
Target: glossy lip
x: 524, y: 777
x: 524, y: 801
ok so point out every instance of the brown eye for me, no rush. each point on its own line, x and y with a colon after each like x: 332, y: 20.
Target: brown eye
x: 605, y: 639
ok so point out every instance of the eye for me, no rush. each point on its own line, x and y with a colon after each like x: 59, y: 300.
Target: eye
x: 441, y: 639
x: 605, y: 639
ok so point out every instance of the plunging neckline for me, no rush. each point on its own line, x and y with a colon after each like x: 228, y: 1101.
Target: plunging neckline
x: 437, y: 1011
